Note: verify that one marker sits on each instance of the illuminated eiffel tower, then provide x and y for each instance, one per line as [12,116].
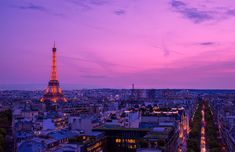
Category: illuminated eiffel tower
[53,93]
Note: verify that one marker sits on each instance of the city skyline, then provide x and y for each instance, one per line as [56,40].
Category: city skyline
[112,44]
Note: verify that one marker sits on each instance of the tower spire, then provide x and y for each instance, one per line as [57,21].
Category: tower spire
[54,43]
[53,70]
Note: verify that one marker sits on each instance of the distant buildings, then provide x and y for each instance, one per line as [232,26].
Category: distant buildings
[108,120]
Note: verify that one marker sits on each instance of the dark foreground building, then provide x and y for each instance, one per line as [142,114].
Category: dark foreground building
[122,139]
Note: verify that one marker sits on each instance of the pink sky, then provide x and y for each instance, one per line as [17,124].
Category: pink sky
[114,43]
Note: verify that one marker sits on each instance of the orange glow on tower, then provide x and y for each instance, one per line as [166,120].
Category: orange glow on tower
[53,71]
[53,91]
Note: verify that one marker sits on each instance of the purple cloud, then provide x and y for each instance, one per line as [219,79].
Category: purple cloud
[194,14]
[120,12]
[31,6]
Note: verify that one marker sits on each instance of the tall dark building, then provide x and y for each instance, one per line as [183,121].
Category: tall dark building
[53,93]
[151,94]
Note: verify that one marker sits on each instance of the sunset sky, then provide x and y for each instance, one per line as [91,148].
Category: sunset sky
[114,43]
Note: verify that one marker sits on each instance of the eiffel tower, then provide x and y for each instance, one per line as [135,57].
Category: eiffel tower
[53,92]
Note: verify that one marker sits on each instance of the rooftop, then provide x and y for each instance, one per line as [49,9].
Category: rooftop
[30,146]
[160,133]
[116,127]
[58,135]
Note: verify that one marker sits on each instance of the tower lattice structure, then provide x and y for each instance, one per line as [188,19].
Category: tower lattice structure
[53,92]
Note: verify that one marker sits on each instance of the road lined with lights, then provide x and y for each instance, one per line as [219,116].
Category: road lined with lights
[203,124]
